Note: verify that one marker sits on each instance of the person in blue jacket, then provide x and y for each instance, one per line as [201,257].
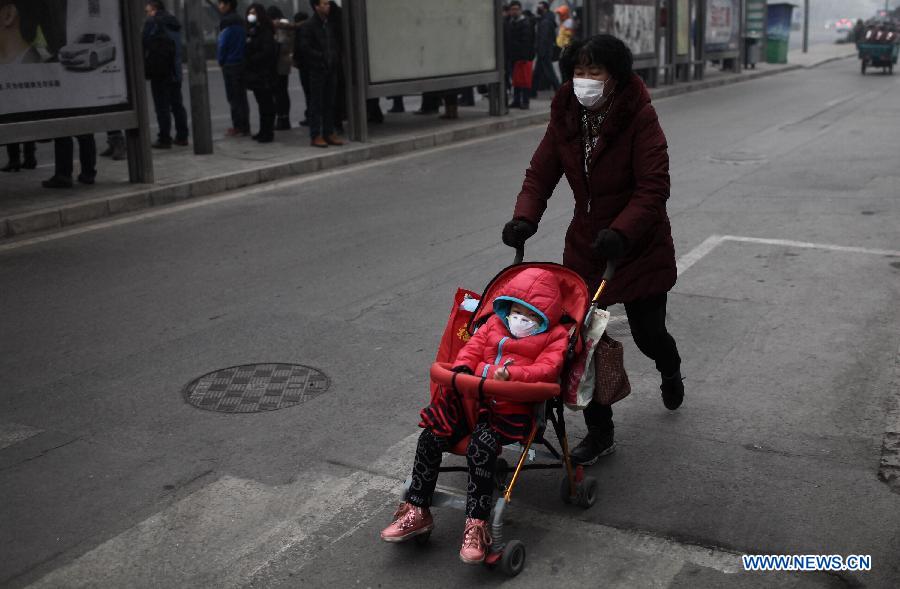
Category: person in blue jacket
[230,52]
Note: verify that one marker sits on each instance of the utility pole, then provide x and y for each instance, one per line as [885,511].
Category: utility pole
[806,26]
[199,85]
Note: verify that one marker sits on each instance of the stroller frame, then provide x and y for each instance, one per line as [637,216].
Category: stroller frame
[575,487]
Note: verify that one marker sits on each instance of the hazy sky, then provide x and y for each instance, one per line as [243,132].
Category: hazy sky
[832,9]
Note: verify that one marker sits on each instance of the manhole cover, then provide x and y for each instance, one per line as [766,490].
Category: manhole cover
[738,158]
[256,387]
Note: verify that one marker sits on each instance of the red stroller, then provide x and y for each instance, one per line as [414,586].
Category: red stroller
[509,555]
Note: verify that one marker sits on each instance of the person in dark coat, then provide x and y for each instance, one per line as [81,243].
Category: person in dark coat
[166,85]
[303,71]
[545,42]
[519,39]
[320,52]
[605,137]
[260,72]
[231,49]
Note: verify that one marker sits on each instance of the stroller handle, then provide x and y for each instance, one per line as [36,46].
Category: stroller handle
[607,276]
[472,386]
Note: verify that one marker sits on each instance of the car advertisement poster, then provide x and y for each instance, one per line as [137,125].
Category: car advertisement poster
[60,55]
[723,25]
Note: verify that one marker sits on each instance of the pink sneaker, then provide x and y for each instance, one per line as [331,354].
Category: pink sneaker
[409,521]
[476,541]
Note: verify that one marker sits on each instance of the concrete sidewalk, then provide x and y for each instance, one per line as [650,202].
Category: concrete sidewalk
[26,207]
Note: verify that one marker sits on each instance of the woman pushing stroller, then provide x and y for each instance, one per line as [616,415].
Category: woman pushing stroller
[522,341]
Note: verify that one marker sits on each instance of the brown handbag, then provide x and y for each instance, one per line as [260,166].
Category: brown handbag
[612,383]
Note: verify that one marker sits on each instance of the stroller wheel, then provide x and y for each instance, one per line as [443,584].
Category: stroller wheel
[501,473]
[422,539]
[513,560]
[587,492]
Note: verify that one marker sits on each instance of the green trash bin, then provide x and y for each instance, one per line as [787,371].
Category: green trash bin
[778,32]
[776,51]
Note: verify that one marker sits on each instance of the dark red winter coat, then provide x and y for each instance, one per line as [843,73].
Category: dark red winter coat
[536,358]
[628,189]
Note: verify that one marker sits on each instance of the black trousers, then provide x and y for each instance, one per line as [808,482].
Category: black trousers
[544,75]
[87,152]
[266,104]
[322,100]
[169,104]
[304,83]
[236,92]
[14,151]
[647,319]
[481,457]
[282,98]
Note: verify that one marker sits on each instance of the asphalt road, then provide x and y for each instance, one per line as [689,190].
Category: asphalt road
[787,323]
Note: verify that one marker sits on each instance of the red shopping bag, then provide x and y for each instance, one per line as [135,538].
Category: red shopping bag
[455,333]
[522,74]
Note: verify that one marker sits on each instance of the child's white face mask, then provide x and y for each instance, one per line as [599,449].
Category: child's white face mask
[521,326]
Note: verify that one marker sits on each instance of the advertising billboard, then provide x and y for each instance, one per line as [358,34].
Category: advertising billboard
[60,58]
[633,21]
[723,29]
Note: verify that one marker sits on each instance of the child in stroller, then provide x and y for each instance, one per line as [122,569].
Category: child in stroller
[523,341]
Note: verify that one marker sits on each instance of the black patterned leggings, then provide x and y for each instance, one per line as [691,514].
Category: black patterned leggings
[481,455]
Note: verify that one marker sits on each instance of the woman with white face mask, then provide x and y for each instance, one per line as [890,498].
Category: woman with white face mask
[605,137]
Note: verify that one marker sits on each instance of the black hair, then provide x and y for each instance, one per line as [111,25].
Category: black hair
[274,13]
[232,4]
[157,4]
[605,50]
[515,3]
[314,3]
[546,5]
[301,16]
[262,19]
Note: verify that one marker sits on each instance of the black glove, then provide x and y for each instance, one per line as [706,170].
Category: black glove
[610,244]
[462,370]
[517,231]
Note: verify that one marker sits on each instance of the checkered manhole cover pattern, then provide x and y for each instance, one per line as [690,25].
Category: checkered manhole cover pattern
[256,387]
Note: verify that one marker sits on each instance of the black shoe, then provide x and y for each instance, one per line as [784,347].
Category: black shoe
[595,444]
[283,124]
[86,179]
[394,110]
[672,389]
[11,167]
[181,142]
[161,145]
[29,164]
[264,138]
[304,123]
[57,182]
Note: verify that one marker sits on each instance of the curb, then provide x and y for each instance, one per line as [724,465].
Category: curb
[48,220]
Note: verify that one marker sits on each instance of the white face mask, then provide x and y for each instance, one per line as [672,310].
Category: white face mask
[588,92]
[251,18]
[521,326]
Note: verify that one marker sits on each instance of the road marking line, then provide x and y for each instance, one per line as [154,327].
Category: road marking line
[13,433]
[809,245]
[234,529]
[698,253]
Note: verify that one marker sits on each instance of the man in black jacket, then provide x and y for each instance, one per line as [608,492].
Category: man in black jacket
[544,74]
[519,39]
[319,44]
[162,54]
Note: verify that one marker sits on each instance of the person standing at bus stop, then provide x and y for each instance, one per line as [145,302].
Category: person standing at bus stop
[320,51]
[162,57]
[230,53]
